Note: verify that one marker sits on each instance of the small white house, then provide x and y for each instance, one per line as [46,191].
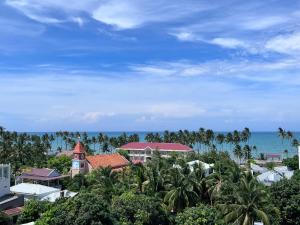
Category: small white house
[275,175]
[208,168]
[257,169]
[40,192]
[4,179]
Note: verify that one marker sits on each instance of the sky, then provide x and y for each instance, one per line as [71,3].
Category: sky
[144,65]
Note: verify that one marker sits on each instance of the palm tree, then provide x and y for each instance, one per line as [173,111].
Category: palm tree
[281,134]
[229,139]
[247,152]
[214,183]
[220,138]
[249,204]
[237,151]
[182,193]
[295,143]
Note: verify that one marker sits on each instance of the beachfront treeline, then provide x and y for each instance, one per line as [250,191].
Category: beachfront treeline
[32,149]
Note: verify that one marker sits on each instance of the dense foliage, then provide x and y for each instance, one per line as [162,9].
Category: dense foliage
[292,163]
[163,190]
[286,196]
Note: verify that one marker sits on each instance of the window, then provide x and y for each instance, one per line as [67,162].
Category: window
[81,165]
[5,172]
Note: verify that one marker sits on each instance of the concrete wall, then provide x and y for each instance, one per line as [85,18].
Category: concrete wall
[4,179]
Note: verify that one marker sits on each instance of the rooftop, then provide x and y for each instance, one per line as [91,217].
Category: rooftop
[110,160]
[43,174]
[32,189]
[156,146]
[79,148]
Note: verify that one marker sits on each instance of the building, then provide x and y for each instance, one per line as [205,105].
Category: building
[40,192]
[82,164]
[275,175]
[115,161]
[4,179]
[11,204]
[208,168]
[141,151]
[33,191]
[43,176]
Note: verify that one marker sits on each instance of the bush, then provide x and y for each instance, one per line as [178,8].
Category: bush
[133,208]
[200,215]
[292,163]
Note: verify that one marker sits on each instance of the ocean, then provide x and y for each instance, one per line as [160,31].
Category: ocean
[265,142]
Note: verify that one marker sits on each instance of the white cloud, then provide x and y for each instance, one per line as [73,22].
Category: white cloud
[186,36]
[288,44]
[263,22]
[122,14]
[229,43]
[92,117]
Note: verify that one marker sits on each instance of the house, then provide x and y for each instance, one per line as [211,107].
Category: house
[208,168]
[82,164]
[275,175]
[33,191]
[40,192]
[141,151]
[42,176]
[257,169]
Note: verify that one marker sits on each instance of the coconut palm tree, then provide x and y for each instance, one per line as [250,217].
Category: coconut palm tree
[281,134]
[295,143]
[238,153]
[220,138]
[249,205]
[247,152]
[182,193]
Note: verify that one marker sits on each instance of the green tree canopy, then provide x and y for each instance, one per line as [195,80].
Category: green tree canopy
[133,208]
[200,215]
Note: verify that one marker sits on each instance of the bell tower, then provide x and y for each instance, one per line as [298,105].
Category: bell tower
[79,164]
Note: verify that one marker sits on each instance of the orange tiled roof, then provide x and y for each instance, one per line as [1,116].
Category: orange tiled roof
[79,148]
[113,160]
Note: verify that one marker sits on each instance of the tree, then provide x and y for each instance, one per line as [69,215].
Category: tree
[83,209]
[182,191]
[3,219]
[200,215]
[77,182]
[61,163]
[292,163]
[238,153]
[132,208]
[286,196]
[249,205]
[33,210]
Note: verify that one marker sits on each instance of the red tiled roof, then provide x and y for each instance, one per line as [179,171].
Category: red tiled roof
[158,146]
[79,148]
[113,160]
[13,211]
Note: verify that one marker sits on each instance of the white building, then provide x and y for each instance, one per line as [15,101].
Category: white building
[208,168]
[275,175]
[40,192]
[4,179]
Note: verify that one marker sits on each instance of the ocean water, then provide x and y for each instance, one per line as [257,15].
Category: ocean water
[265,142]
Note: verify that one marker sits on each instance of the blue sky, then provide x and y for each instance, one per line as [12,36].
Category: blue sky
[137,65]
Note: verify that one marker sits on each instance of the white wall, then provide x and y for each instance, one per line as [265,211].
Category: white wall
[4,179]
